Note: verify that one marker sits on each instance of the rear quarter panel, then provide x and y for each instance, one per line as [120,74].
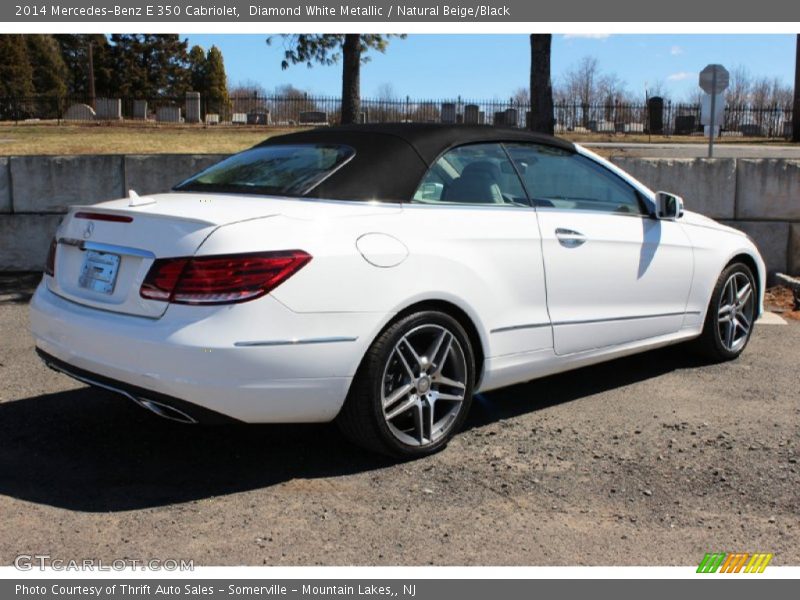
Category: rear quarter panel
[485,260]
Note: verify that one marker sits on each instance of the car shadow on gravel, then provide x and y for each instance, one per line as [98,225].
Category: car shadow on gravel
[91,450]
[539,394]
[18,288]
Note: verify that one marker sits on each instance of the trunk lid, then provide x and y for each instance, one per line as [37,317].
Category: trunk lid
[101,263]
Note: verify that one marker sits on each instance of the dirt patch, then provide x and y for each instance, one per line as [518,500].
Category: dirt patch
[780,299]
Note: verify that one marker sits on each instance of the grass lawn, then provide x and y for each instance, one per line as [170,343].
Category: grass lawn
[151,138]
[29,139]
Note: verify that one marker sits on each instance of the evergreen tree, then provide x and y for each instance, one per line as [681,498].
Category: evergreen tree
[49,70]
[16,74]
[197,69]
[75,53]
[149,65]
[216,90]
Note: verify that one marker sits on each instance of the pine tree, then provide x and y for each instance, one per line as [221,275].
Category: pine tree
[197,69]
[75,53]
[16,74]
[216,91]
[150,65]
[49,70]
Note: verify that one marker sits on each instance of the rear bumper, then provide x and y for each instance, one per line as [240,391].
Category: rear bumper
[199,359]
[168,407]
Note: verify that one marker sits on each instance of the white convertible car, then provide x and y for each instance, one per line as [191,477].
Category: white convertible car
[380,276]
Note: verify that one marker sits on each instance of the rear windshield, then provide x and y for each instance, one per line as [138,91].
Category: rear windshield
[284,170]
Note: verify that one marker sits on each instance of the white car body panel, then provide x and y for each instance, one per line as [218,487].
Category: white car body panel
[290,356]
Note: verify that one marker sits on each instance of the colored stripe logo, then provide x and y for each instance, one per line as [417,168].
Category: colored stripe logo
[734,562]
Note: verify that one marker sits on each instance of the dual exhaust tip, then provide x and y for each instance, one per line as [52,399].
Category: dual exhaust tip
[162,410]
[158,408]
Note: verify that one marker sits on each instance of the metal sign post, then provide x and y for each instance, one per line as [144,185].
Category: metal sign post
[713,115]
[714,79]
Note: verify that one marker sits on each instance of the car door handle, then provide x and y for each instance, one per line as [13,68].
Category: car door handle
[569,238]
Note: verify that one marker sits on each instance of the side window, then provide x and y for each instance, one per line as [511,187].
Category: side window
[474,174]
[561,179]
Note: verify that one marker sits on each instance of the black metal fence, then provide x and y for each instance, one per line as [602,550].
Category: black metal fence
[654,117]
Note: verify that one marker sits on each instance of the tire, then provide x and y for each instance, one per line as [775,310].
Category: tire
[730,316]
[421,365]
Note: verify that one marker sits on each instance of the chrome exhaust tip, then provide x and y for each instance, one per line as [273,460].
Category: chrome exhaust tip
[164,411]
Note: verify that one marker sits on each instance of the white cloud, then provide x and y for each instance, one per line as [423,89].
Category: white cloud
[681,76]
[587,36]
[676,50]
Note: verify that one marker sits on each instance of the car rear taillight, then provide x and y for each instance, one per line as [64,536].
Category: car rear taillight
[50,264]
[220,279]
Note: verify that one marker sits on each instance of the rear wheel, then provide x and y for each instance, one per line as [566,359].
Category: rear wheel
[413,389]
[731,314]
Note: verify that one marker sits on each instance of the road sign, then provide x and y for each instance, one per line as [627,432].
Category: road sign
[714,79]
[706,118]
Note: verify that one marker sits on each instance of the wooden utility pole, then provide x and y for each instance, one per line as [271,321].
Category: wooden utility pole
[91,74]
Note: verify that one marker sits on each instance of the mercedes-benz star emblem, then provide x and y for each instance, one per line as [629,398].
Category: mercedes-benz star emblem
[87,233]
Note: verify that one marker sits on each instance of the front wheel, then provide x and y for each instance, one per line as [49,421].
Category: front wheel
[413,390]
[731,314]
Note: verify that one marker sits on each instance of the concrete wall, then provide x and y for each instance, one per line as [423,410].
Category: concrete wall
[36,190]
[708,185]
[758,196]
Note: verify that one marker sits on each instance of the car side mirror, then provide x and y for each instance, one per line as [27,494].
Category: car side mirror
[668,206]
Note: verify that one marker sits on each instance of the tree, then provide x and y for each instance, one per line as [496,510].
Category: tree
[49,70]
[207,76]
[521,96]
[740,87]
[541,87]
[149,65]
[249,96]
[289,103]
[796,103]
[216,90]
[328,49]
[75,54]
[16,74]
[197,68]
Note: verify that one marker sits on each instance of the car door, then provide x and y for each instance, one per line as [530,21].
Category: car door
[614,273]
[471,205]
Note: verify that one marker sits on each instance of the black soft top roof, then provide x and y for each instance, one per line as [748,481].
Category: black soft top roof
[391,159]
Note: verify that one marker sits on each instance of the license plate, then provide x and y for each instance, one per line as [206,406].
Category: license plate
[99,271]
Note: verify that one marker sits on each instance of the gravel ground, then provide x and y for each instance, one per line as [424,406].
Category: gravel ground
[649,460]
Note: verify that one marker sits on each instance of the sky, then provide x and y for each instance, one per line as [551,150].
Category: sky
[495,65]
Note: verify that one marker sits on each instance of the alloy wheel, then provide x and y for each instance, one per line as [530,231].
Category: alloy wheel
[735,312]
[424,384]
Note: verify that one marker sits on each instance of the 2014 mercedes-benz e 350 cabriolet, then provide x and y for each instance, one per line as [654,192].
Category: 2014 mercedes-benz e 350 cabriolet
[380,276]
